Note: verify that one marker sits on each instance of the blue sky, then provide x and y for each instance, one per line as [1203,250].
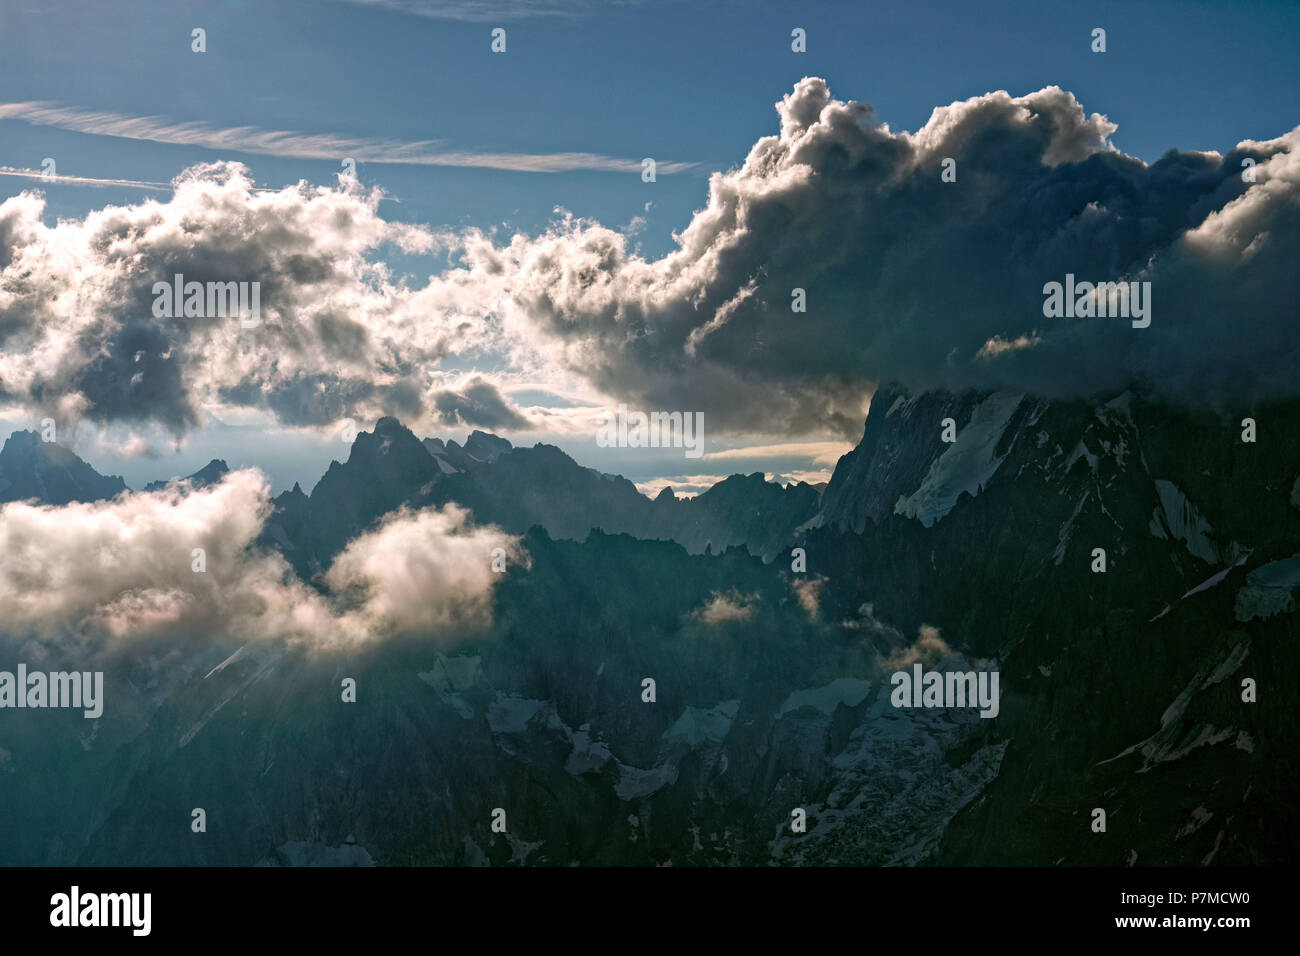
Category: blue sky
[682,82]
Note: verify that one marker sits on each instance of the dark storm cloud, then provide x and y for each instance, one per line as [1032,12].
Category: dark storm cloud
[479,403]
[930,282]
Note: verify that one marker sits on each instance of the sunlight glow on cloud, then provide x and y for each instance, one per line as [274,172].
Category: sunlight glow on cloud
[824,206]
[123,570]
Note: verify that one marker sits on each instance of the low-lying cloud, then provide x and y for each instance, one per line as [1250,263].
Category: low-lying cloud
[725,608]
[928,648]
[111,572]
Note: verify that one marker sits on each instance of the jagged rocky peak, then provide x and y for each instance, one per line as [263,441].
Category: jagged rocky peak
[755,484]
[389,458]
[388,427]
[480,448]
[50,473]
[209,474]
[19,442]
[26,448]
[893,468]
[389,435]
[485,446]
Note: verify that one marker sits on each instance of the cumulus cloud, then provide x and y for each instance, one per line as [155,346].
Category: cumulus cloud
[928,282]
[906,277]
[442,582]
[894,652]
[111,572]
[478,402]
[338,335]
[873,627]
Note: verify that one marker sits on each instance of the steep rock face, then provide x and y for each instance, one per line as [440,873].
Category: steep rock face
[290,530]
[483,446]
[901,441]
[963,467]
[50,473]
[61,774]
[1068,465]
[386,469]
[1121,687]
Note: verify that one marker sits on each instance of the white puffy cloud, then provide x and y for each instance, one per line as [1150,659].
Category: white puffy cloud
[338,335]
[911,278]
[907,277]
[477,402]
[108,572]
[442,582]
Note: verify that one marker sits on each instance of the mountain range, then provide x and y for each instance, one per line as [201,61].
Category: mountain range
[1124,565]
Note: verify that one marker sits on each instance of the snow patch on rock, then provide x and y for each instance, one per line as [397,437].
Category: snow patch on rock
[1178,519]
[966,464]
[848,691]
[1270,589]
[696,726]
[510,715]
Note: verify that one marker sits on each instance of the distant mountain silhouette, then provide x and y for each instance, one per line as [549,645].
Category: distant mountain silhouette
[209,474]
[517,488]
[50,473]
